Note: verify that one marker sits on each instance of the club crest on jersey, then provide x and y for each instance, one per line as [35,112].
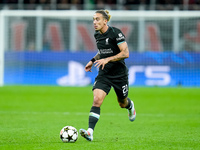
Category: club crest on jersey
[107,41]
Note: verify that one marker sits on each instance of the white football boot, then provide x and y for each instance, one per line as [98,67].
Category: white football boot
[132,112]
[86,134]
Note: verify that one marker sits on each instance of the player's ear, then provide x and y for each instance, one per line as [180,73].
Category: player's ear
[105,21]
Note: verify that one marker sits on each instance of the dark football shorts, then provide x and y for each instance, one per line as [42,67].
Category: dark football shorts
[120,85]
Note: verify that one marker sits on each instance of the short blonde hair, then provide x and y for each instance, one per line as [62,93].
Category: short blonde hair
[105,14]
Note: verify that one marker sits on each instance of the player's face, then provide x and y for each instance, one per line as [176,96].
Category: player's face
[99,22]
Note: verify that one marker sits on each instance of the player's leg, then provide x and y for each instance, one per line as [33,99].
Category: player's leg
[121,88]
[129,105]
[100,90]
[99,95]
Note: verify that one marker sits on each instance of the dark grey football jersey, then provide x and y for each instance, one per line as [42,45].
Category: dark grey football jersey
[107,44]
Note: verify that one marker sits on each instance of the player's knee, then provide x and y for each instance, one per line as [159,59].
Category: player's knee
[97,101]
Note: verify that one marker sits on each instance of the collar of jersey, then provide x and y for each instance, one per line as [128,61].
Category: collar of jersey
[106,31]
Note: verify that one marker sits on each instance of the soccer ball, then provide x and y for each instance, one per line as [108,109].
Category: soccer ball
[68,134]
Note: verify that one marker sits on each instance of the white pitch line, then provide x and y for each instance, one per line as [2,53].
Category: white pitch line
[77,113]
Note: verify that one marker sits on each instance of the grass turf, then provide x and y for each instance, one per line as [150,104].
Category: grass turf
[31,117]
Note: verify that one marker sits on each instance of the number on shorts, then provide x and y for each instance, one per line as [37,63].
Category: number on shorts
[125,89]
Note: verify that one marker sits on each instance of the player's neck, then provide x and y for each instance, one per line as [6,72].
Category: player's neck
[104,29]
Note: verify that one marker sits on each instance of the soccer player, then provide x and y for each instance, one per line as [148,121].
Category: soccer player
[112,50]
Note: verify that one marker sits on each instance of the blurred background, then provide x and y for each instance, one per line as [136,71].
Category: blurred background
[101,4]
[48,42]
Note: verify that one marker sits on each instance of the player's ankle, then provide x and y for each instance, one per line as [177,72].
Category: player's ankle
[90,130]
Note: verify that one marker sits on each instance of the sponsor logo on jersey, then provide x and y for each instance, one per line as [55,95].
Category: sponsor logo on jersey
[120,37]
[106,51]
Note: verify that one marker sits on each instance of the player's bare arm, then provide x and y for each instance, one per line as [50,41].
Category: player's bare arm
[97,56]
[124,53]
[89,65]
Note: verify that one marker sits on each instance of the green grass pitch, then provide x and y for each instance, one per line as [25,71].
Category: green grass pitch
[31,117]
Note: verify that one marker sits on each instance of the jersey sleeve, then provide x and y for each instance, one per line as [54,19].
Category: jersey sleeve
[120,37]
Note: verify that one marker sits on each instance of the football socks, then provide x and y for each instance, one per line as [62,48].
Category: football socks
[129,106]
[94,116]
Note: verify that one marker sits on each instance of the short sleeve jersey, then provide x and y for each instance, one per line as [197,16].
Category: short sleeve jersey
[107,44]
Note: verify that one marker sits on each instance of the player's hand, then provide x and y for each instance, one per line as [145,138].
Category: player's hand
[101,62]
[88,67]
